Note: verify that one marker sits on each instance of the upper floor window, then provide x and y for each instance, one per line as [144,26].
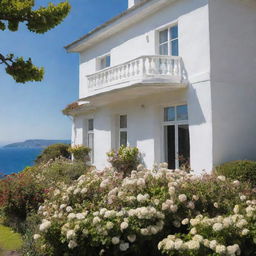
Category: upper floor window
[104,62]
[169,42]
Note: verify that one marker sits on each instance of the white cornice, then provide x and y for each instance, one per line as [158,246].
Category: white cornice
[119,23]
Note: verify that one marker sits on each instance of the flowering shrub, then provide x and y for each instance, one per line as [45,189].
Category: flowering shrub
[242,170]
[19,195]
[149,212]
[125,159]
[80,152]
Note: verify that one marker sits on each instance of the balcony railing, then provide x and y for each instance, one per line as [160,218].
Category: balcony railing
[139,70]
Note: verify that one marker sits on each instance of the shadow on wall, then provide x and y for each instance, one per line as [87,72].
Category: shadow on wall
[196,115]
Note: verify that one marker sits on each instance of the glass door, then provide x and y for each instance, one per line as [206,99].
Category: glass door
[176,136]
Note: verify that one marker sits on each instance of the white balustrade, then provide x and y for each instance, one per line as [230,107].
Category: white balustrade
[157,66]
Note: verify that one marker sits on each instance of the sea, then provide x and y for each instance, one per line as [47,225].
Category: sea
[13,160]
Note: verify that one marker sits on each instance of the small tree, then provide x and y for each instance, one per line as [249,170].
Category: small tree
[13,12]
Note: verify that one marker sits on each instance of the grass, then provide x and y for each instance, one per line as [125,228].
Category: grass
[9,240]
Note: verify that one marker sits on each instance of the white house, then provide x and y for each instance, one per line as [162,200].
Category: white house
[173,78]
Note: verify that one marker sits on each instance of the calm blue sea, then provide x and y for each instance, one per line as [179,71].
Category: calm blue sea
[16,159]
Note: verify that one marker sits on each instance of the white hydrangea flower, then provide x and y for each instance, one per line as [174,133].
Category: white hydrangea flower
[71,234]
[193,245]
[213,244]
[45,225]
[242,197]
[96,220]
[131,238]
[124,225]
[80,216]
[217,227]
[71,216]
[115,240]
[221,249]
[109,225]
[182,198]
[72,244]
[245,232]
[124,247]
[216,205]
[185,221]
[36,236]
[69,209]
[221,178]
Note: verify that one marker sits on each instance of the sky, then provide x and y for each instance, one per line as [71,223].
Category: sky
[33,110]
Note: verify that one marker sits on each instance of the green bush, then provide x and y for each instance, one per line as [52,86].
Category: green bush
[52,152]
[80,153]
[57,171]
[125,159]
[243,170]
[20,194]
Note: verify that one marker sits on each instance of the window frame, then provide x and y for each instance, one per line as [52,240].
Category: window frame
[169,40]
[176,123]
[99,59]
[122,130]
[90,132]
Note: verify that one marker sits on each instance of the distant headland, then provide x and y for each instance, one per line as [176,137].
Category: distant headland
[36,143]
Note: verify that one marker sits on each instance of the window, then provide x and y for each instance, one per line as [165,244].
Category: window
[177,113]
[91,138]
[104,62]
[123,130]
[168,41]
[176,136]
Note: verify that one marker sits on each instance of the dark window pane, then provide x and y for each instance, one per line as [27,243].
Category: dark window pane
[184,147]
[90,125]
[175,47]
[123,139]
[123,121]
[163,36]
[170,146]
[182,112]
[174,32]
[163,50]
[169,114]
[108,61]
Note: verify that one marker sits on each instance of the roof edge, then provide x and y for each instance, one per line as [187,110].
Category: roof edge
[104,25]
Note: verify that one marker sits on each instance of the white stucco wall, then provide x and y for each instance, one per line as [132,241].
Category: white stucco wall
[145,117]
[144,123]
[141,39]
[233,66]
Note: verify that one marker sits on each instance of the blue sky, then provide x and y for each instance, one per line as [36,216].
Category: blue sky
[33,110]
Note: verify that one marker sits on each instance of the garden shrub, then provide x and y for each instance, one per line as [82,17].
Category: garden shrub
[243,170]
[19,195]
[125,159]
[52,152]
[57,171]
[80,153]
[149,212]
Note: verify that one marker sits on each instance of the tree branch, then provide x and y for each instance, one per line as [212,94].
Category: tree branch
[4,60]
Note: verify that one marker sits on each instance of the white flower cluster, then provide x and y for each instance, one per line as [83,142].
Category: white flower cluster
[112,210]
[172,243]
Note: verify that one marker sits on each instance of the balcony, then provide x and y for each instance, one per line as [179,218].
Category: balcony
[154,70]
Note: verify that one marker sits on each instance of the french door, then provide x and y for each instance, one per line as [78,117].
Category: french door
[176,137]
